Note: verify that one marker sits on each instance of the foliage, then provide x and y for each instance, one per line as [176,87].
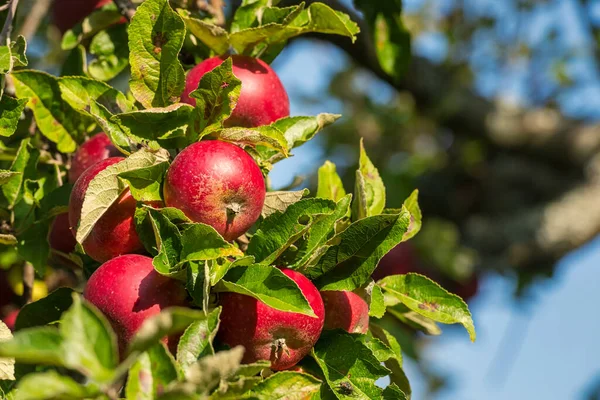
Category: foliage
[335,239]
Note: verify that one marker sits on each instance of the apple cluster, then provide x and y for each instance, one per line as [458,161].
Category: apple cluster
[212,182]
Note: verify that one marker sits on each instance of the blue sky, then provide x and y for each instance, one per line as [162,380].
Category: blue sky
[558,355]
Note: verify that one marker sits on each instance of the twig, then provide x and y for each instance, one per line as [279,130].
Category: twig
[28,279]
[33,19]
[7,29]
[214,8]
[4,7]
[126,8]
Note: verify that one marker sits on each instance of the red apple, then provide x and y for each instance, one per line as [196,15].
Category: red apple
[11,319]
[467,289]
[96,148]
[61,238]
[128,290]
[345,310]
[263,98]
[114,233]
[284,338]
[216,183]
[402,259]
[67,13]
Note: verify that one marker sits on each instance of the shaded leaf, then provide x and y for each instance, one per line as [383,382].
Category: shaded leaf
[106,187]
[10,114]
[213,36]
[196,341]
[50,385]
[151,373]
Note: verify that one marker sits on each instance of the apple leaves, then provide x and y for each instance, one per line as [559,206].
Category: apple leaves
[425,297]
[156,35]
[106,187]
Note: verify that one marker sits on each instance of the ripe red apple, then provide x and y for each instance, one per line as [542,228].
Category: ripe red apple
[284,338]
[216,183]
[67,13]
[61,238]
[96,148]
[402,259]
[11,319]
[114,233]
[128,290]
[345,310]
[263,98]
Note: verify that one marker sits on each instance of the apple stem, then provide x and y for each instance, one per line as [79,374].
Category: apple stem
[278,347]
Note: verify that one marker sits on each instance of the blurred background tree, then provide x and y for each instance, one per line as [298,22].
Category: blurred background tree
[490,108]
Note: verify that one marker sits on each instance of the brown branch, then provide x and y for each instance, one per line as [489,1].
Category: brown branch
[28,280]
[126,8]
[34,18]
[214,8]
[8,24]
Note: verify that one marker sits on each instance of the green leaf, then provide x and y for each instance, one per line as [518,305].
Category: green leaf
[51,385]
[75,63]
[268,285]
[32,249]
[299,130]
[168,127]
[198,282]
[350,368]
[216,96]
[145,183]
[5,176]
[18,50]
[55,118]
[7,365]
[247,13]
[10,114]
[207,372]
[196,341]
[317,18]
[111,53]
[411,318]
[167,241]
[330,184]
[393,392]
[427,298]
[412,205]
[46,310]
[89,344]
[320,232]
[106,187]
[349,265]
[12,187]
[265,135]
[280,201]
[286,385]
[99,101]
[169,321]
[277,232]
[213,36]
[156,35]
[90,26]
[376,305]
[391,39]
[35,346]
[151,373]
[218,270]
[369,192]
[202,242]
[394,363]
